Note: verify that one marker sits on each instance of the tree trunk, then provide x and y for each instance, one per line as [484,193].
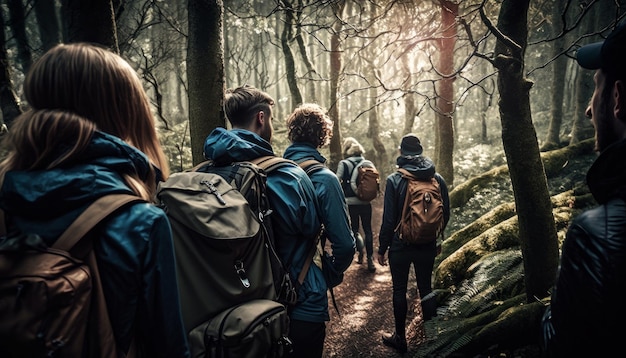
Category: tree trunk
[8,100]
[445,100]
[582,127]
[410,110]
[205,72]
[373,125]
[311,76]
[335,69]
[290,66]
[559,67]
[47,23]
[18,28]
[537,230]
[90,21]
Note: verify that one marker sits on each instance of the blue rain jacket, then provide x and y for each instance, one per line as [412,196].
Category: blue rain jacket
[294,217]
[333,210]
[134,247]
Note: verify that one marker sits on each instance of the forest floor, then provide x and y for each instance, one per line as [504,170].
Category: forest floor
[365,308]
[366,313]
[364,298]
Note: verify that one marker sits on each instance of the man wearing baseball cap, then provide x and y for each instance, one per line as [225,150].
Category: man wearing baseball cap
[587,310]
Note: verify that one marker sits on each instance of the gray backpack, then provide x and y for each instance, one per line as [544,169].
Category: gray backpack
[234,289]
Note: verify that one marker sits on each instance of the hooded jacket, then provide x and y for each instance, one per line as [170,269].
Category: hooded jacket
[395,190]
[294,219]
[587,304]
[332,210]
[133,247]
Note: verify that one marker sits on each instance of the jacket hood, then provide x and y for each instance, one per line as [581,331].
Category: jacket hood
[607,176]
[421,167]
[300,151]
[33,197]
[226,146]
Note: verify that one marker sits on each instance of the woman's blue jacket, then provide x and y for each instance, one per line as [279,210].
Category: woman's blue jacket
[133,248]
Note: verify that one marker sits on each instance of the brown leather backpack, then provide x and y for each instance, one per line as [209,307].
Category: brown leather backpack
[422,212]
[51,299]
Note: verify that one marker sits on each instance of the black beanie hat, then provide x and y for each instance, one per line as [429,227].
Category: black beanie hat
[410,145]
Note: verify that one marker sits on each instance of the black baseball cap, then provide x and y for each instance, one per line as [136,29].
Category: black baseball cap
[609,55]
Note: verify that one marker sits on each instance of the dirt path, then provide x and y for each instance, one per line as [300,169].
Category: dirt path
[364,302]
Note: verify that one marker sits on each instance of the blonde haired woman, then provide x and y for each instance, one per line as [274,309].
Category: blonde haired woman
[360,211]
[89,132]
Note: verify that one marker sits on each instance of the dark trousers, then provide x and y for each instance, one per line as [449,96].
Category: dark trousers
[423,259]
[362,215]
[307,338]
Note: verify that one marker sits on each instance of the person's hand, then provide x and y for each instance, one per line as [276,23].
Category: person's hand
[381,260]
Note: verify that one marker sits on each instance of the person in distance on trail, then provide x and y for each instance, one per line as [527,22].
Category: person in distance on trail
[401,255]
[309,128]
[360,211]
[89,132]
[587,302]
[293,201]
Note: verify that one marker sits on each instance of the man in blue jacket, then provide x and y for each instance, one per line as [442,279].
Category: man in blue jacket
[293,201]
[587,310]
[310,128]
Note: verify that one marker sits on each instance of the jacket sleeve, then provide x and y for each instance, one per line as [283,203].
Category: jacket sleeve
[334,215]
[354,173]
[390,213]
[445,198]
[139,274]
[340,170]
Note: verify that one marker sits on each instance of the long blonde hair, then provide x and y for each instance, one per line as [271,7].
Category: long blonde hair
[46,139]
[100,86]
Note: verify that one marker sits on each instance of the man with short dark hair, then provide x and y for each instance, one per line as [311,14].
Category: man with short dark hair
[292,198]
[587,310]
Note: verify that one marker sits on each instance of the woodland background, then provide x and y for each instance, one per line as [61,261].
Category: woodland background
[490,86]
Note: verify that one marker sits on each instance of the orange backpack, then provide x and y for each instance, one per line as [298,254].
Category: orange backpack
[422,213]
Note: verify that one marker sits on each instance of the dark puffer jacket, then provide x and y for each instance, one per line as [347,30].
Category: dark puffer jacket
[588,311]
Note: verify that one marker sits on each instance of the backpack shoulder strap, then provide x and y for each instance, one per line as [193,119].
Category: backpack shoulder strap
[354,175]
[102,338]
[272,162]
[311,166]
[405,173]
[200,165]
[89,218]
[312,251]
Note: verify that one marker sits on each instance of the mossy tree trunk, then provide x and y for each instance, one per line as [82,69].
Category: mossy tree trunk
[537,230]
